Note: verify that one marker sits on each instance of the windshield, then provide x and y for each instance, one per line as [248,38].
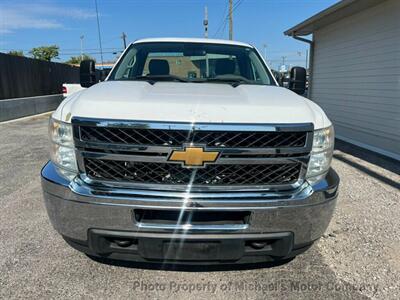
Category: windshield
[192,62]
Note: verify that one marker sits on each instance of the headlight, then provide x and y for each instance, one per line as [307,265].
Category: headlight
[62,151]
[321,154]
[61,133]
[63,157]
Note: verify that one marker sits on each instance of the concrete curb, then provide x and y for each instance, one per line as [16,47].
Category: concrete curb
[21,107]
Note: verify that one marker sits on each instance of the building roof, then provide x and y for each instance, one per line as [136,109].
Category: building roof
[192,40]
[330,15]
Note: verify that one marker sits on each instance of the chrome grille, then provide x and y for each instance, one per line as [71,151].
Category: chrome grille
[160,137]
[156,173]
[136,153]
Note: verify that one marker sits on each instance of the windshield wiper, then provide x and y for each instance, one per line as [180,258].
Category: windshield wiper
[152,79]
[233,81]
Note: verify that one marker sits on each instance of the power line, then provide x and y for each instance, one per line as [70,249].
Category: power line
[223,29]
[222,21]
[226,18]
[237,4]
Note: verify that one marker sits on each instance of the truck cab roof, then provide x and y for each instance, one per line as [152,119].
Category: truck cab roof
[192,40]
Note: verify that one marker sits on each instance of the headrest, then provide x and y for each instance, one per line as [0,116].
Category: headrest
[224,66]
[158,67]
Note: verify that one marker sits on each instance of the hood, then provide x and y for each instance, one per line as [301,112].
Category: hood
[191,102]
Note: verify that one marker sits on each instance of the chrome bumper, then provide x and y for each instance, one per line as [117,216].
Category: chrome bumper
[74,208]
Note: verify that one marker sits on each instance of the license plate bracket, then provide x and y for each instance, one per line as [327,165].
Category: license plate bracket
[162,249]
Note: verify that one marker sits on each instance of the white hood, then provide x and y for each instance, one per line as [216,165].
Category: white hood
[191,102]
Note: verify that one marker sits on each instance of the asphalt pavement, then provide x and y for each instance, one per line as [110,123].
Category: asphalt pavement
[357,258]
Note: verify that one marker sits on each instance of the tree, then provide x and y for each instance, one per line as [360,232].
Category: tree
[45,52]
[16,52]
[76,60]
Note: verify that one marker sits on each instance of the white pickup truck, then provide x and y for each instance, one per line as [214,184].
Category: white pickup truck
[189,152]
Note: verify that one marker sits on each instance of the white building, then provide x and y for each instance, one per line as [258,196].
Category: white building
[355,70]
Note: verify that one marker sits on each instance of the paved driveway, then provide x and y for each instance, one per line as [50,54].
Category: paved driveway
[358,258]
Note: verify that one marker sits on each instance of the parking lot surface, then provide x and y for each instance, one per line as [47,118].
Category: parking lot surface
[358,257]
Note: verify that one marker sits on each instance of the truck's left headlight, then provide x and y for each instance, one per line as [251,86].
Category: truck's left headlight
[62,151]
[321,154]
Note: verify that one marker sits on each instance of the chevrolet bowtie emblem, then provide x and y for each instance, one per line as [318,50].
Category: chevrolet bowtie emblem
[193,156]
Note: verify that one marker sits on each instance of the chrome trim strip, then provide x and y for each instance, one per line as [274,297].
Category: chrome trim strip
[193,200]
[194,188]
[230,227]
[172,125]
[225,206]
[167,149]
[220,161]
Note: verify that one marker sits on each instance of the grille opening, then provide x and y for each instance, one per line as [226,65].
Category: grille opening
[272,155]
[216,174]
[175,138]
[190,217]
[126,152]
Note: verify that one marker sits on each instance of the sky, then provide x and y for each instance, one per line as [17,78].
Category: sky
[27,24]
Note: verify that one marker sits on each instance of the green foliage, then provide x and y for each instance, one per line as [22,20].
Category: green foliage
[45,52]
[76,60]
[16,52]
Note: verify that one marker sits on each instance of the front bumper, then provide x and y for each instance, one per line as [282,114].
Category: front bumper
[87,218]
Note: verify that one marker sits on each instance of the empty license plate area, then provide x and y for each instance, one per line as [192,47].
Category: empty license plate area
[174,217]
[156,249]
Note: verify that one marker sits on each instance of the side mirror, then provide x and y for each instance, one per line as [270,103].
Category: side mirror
[87,73]
[298,77]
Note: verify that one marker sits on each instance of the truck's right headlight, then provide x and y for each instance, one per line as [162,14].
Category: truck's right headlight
[321,154]
[62,150]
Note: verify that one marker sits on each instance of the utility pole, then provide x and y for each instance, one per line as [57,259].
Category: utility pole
[123,37]
[98,30]
[81,37]
[230,20]
[205,22]
[283,60]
